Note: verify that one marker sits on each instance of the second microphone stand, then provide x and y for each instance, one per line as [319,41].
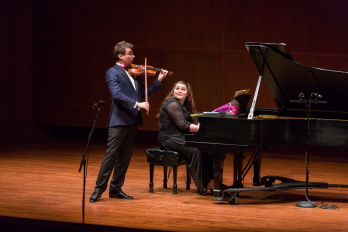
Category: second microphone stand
[83,162]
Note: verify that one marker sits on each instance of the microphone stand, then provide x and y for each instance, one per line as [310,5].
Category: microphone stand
[83,163]
[308,102]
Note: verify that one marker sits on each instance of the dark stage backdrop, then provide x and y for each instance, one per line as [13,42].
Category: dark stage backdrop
[201,41]
[6,71]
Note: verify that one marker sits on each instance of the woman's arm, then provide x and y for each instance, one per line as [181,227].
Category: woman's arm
[175,112]
[194,128]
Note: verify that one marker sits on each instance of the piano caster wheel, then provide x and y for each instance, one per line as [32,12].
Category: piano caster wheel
[269,182]
[233,199]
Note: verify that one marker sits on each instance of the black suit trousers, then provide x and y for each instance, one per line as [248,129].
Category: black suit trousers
[121,140]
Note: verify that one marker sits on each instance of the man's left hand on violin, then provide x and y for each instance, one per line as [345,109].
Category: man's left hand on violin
[162,74]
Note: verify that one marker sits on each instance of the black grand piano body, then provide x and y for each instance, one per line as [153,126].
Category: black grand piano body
[222,134]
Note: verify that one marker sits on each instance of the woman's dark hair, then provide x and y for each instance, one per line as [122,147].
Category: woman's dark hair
[189,102]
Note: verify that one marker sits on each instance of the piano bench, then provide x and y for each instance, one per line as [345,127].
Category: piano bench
[165,158]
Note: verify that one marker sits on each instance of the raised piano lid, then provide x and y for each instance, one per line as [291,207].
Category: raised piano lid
[286,79]
[278,47]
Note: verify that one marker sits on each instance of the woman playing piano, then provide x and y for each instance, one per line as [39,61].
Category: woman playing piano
[174,123]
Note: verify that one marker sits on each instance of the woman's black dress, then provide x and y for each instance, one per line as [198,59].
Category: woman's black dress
[174,123]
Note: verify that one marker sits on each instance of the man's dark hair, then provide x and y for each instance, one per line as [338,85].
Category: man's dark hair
[120,48]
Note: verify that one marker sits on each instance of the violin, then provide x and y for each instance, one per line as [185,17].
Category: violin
[138,70]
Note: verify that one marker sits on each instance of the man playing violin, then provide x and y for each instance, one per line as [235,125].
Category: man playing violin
[127,93]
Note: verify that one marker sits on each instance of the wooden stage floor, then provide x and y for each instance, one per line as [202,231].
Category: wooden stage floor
[41,182]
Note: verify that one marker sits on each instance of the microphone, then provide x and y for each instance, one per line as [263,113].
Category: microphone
[100,103]
[317,95]
[301,96]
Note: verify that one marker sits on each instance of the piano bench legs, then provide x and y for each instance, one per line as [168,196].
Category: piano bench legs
[175,174]
[151,177]
[165,179]
[165,158]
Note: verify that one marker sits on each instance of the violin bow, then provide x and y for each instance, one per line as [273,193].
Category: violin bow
[146,97]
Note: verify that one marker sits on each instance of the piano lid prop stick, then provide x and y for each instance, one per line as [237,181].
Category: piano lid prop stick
[252,108]
[146,98]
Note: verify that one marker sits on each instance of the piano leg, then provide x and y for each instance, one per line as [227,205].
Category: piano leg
[152,167]
[257,168]
[238,158]
[218,157]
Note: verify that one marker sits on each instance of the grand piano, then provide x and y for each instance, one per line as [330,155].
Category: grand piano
[294,87]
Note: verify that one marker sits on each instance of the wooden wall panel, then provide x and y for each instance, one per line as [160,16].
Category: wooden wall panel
[24,129]
[202,42]
[6,27]
[241,73]
[305,26]
[189,24]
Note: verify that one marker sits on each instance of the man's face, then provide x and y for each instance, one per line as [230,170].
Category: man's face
[127,58]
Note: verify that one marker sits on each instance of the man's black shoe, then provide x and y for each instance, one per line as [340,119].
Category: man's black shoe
[120,195]
[94,198]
